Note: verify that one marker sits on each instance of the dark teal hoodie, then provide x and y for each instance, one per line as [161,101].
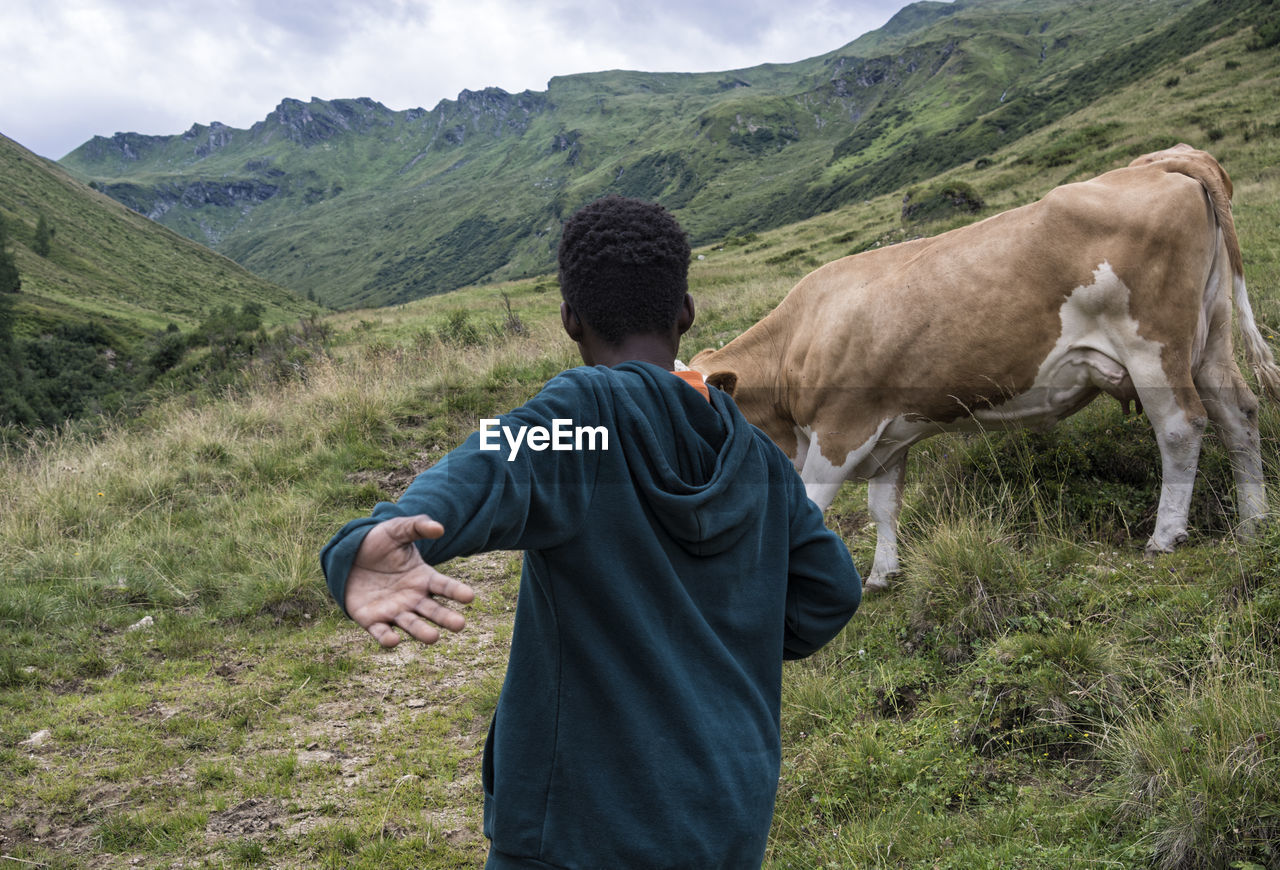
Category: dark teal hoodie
[665,580]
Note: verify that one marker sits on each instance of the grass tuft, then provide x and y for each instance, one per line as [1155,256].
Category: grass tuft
[1201,783]
[967,579]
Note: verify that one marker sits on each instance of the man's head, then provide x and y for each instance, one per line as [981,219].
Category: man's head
[624,267]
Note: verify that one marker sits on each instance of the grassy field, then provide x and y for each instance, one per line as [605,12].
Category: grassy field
[178,691]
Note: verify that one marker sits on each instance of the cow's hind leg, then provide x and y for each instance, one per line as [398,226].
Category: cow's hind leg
[1233,408]
[1178,418]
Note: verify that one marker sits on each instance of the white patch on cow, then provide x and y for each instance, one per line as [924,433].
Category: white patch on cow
[1099,349]
[821,477]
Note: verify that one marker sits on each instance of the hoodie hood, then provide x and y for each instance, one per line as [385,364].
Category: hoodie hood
[684,454]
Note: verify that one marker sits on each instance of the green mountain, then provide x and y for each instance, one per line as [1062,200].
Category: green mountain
[365,206]
[99,285]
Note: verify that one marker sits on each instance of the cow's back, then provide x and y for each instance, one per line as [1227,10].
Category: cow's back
[939,327]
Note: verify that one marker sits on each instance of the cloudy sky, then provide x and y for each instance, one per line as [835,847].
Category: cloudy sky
[72,69]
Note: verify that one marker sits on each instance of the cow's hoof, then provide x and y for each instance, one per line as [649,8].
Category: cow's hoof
[875,584]
[1160,548]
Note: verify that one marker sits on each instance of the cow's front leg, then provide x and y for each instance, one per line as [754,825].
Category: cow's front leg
[884,501]
[822,480]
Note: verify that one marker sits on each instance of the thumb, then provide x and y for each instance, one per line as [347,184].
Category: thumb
[406,530]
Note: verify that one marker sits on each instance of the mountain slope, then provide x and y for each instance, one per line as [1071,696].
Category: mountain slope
[109,266]
[109,303]
[363,205]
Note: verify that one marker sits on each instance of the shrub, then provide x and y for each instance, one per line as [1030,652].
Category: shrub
[1266,34]
[10,280]
[166,351]
[458,329]
[740,241]
[938,203]
[512,324]
[1040,691]
[776,259]
[43,241]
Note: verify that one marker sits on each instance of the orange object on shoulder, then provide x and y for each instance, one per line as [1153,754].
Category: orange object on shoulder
[694,379]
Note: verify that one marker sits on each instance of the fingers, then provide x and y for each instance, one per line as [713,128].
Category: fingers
[442,616]
[416,627]
[419,629]
[447,587]
[383,634]
[423,620]
[406,530]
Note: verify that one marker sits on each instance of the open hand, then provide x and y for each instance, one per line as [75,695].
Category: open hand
[390,585]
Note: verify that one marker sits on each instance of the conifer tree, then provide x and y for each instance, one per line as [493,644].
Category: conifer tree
[10,281]
[44,237]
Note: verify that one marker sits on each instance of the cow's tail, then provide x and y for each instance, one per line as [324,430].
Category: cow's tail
[1217,184]
[1256,350]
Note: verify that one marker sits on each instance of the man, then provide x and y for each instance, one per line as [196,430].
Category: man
[672,562]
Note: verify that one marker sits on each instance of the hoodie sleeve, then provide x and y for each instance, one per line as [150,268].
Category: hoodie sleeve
[489,495]
[823,586]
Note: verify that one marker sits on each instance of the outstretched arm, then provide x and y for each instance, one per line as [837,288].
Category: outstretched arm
[487,499]
[391,586]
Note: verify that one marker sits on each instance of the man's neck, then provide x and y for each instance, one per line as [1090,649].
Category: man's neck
[642,348]
[659,348]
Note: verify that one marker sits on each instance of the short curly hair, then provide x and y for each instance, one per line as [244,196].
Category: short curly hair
[624,267]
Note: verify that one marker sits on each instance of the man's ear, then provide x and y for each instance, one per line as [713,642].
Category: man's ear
[571,322]
[727,381]
[685,318]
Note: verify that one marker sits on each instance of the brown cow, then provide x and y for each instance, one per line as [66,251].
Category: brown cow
[1122,284]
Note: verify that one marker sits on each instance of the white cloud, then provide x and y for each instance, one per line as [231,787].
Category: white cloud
[78,68]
